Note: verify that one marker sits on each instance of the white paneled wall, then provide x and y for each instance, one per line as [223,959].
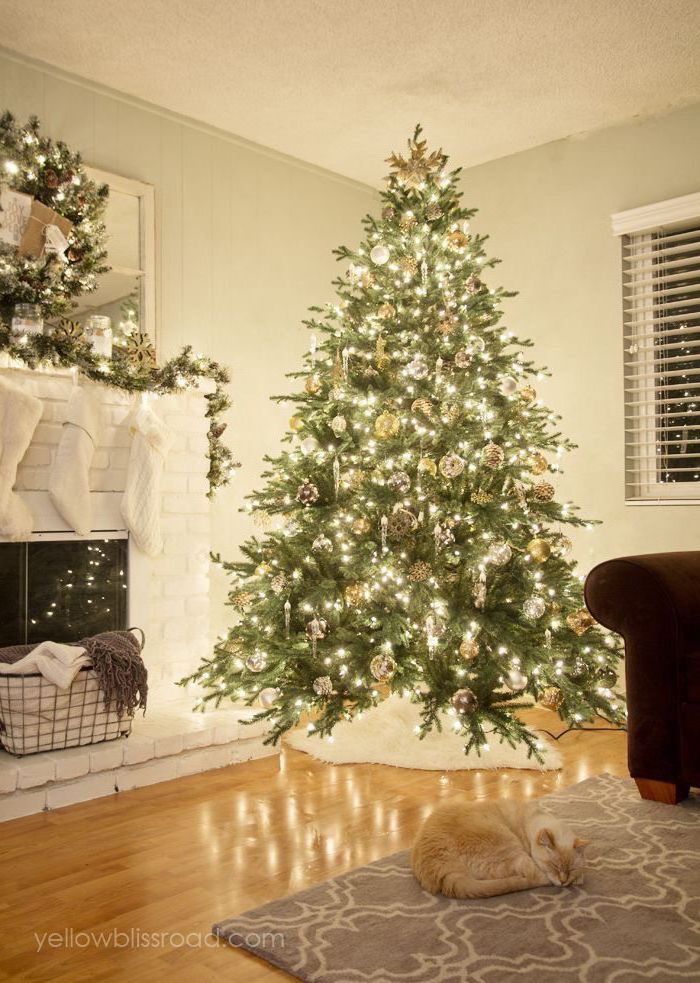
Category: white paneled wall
[243,243]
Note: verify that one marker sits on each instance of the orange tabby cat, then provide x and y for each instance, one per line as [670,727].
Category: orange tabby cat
[481,849]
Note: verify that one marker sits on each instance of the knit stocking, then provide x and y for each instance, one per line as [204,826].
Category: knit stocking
[69,483]
[19,416]
[141,502]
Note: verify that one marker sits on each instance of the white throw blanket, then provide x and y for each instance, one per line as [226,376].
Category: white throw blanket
[69,484]
[58,663]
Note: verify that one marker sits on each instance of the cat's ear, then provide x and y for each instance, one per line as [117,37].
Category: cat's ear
[545,838]
[580,844]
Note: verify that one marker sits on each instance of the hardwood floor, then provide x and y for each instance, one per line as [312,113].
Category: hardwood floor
[176,857]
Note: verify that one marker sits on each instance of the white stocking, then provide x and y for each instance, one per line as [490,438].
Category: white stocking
[69,483]
[141,503]
[19,416]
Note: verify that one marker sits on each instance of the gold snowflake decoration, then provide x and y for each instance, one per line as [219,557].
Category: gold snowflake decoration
[414,169]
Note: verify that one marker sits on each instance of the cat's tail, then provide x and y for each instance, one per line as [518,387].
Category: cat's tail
[458,884]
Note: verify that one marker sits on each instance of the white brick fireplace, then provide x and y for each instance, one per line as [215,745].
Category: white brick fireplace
[168,596]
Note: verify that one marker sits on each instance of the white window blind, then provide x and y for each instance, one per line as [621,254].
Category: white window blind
[661,325]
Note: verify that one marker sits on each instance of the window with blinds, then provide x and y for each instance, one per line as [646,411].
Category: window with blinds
[661,310]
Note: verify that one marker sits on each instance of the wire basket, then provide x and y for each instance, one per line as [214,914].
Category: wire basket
[37,716]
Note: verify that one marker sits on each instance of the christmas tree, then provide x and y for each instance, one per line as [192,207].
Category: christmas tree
[411,537]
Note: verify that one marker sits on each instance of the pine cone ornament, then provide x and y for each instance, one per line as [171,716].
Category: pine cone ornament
[580,621]
[383,667]
[433,213]
[278,584]
[307,493]
[458,239]
[543,491]
[474,285]
[493,456]
[339,425]
[423,406]
[480,497]
[317,628]
[469,649]
[388,213]
[323,686]
[551,698]
[242,600]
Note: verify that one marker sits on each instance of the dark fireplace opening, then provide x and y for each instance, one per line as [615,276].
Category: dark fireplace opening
[62,590]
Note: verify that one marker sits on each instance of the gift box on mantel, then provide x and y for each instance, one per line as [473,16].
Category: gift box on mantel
[45,232]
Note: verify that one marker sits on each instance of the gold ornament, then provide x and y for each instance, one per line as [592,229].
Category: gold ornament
[480,497]
[355,594]
[295,423]
[401,524]
[528,394]
[383,667]
[66,328]
[427,465]
[543,491]
[312,385]
[409,265]
[418,165]
[580,621]
[139,350]
[458,239]
[357,478]
[445,328]
[386,311]
[361,526]
[408,221]
[450,413]
[551,698]
[539,550]
[469,649]
[386,425]
[538,463]
[339,425]
[231,646]
[433,213]
[493,456]
[419,571]
[380,356]
[423,406]
[451,465]
[242,600]
[262,569]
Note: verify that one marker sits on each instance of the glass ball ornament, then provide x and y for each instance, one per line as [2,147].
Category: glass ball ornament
[478,345]
[322,544]
[451,465]
[401,524]
[499,554]
[508,385]
[387,425]
[534,608]
[386,311]
[269,696]
[516,680]
[537,463]
[355,594]
[580,621]
[295,424]
[323,686]
[464,700]
[339,425]
[551,698]
[528,394]
[312,385]
[399,482]
[463,358]
[464,226]
[307,493]
[427,465]
[309,445]
[361,526]
[417,368]
[256,662]
[380,254]
[383,667]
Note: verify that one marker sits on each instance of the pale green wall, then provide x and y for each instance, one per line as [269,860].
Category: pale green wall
[244,240]
[548,212]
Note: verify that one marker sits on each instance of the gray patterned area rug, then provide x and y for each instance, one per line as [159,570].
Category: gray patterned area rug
[637,917]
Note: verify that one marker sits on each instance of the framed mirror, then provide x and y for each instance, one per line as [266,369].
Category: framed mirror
[127,293]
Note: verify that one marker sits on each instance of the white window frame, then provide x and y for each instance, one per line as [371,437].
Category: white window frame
[671,215]
[145,193]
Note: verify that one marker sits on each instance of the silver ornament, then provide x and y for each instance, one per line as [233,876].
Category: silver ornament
[256,662]
[534,608]
[516,680]
[269,696]
[399,482]
[339,425]
[508,385]
[309,445]
[499,554]
[417,368]
[322,544]
[379,255]
[463,358]
[443,536]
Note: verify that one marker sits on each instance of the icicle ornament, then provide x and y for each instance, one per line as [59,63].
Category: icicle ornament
[287,616]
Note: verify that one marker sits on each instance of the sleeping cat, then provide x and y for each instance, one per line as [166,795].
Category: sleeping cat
[481,849]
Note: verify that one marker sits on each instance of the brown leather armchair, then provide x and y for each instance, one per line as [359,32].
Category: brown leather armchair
[654,603]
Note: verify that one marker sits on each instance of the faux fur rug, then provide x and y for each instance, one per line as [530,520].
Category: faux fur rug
[385,735]
[637,917]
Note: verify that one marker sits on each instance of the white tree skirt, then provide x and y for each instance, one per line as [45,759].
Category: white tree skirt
[385,735]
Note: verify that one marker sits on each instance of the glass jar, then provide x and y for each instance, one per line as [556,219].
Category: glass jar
[98,330]
[27,319]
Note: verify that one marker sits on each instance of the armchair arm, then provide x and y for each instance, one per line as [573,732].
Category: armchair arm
[654,603]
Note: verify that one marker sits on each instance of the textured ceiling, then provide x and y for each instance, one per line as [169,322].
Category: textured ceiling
[341,83]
